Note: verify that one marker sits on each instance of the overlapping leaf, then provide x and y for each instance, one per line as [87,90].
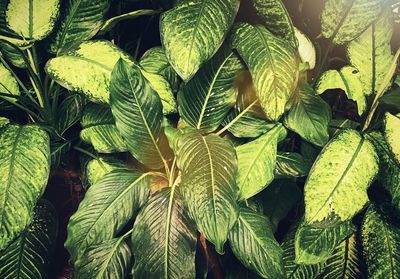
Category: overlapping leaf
[8,84]
[96,169]
[107,207]
[193,31]
[164,238]
[25,167]
[69,112]
[291,164]
[392,134]
[209,166]
[273,64]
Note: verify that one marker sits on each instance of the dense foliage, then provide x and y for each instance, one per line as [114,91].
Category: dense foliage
[218,151]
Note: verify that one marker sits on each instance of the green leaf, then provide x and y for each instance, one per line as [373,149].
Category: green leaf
[107,207]
[206,99]
[3,122]
[381,245]
[344,263]
[349,80]
[110,259]
[278,199]
[95,61]
[246,119]
[256,162]
[155,61]
[80,21]
[112,22]
[208,167]
[391,100]
[253,243]
[58,151]
[12,55]
[164,238]
[309,117]
[8,84]
[293,269]
[277,19]
[137,110]
[33,19]
[316,244]
[389,175]
[306,49]
[96,169]
[343,21]
[29,255]
[371,53]
[336,188]
[273,64]
[392,134]
[192,32]
[69,112]
[99,129]
[25,167]
[291,164]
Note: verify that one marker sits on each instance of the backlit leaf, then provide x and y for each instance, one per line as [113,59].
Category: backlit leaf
[392,134]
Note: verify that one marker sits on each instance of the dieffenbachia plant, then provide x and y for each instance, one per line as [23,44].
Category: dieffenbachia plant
[225,131]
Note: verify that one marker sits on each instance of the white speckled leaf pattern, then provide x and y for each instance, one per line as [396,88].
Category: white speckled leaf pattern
[32,19]
[107,207]
[315,245]
[80,21]
[99,129]
[344,20]
[336,187]
[8,83]
[349,80]
[137,110]
[276,18]
[95,61]
[98,168]
[193,31]
[344,263]
[164,239]
[253,243]
[310,117]
[256,162]
[381,245]
[371,53]
[273,65]
[25,167]
[208,167]
[392,134]
[206,99]
[29,255]
[109,259]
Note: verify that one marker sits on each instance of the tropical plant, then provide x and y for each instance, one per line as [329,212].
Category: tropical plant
[219,152]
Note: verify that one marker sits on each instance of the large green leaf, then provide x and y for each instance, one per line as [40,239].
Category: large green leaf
[80,21]
[8,84]
[336,188]
[293,269]
[164,238]
[389,175]
[109,259]
[344,263]
[137,110]
[29,255]
[107,207]
[343,21]
[209,166]
[256,162]
[206,99]
[316,244]
[349,80]
[392,134]
[193,31]
[32,19]
[95,61]
[25,166]
[253,243]
[371,53]
[381,245]
[276,18]
[291,164]
[273,64]
[99,129]
[309,117]
[97,168]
